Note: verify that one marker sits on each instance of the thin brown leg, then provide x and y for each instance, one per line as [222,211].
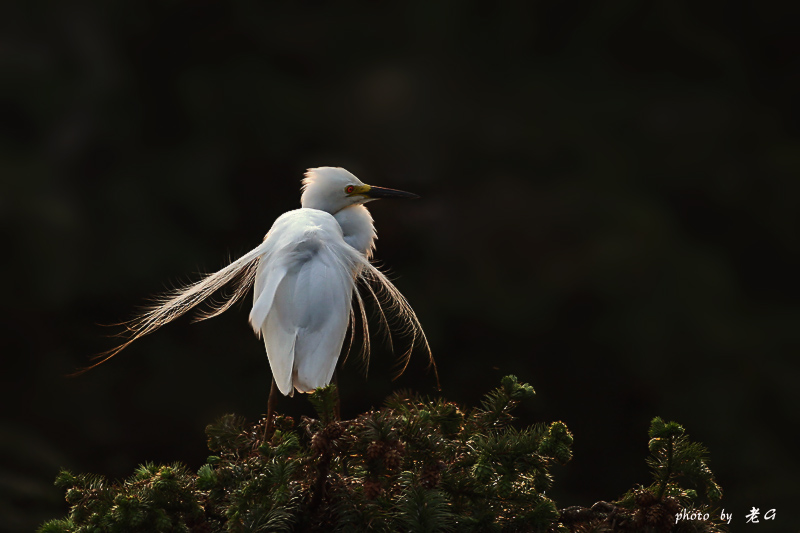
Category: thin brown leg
[337,407]
[271,404]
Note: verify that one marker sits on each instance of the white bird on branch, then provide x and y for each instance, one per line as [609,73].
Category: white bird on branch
[304,275]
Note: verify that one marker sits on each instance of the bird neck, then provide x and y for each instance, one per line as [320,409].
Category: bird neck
[358,229]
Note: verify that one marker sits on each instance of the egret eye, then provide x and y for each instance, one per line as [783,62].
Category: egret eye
[349,189]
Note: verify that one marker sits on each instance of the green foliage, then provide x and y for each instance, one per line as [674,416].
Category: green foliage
[674,459]
[155,498]
[227,433]
[422,465]
[415,465]
[324,401]
[682,481]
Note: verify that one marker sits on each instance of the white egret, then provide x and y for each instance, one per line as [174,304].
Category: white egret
[305,274]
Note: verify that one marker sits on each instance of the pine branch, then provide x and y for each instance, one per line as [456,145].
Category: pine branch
[416,464]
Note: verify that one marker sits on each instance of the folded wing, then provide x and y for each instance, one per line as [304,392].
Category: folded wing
[302,302]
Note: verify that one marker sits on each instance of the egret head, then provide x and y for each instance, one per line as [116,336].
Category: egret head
[332,189]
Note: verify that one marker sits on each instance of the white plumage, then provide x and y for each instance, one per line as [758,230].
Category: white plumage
[303,289]
[304,275]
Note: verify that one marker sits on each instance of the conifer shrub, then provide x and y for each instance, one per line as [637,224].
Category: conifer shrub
[416,465]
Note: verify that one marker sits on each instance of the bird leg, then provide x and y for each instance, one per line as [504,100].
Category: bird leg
[271,403]
[337,406]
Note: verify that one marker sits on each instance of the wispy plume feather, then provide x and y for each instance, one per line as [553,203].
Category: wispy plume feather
[391,302]
[391,305]
[178,302]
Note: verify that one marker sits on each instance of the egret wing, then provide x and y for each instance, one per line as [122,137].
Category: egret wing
[278,341]
[304,287]
[323,297]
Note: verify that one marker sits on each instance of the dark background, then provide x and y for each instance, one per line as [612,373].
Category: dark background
[609,211]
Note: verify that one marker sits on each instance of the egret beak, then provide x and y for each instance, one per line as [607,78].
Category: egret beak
[381,192]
